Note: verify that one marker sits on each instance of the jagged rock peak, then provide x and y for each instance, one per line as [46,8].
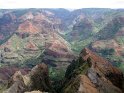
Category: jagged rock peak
[92,73]
[40,78]
[37,79]
[16,84]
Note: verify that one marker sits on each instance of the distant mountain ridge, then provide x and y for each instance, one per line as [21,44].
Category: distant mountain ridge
[79,27]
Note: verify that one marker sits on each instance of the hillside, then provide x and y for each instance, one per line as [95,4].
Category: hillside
[109,42]
[55,37]
[89,73]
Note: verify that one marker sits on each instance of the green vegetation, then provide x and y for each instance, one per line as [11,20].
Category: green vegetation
[77,67]
[121,66]
[73,72]
[120,40]
[77,46]
[31,62]
[56,76]
[111,57]
[72,86]
[107,51]
[17,43]
[3,88]
[109,31]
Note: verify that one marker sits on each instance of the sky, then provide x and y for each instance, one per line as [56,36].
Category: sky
[70,4]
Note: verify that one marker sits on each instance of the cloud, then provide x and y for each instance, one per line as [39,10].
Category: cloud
[61,3]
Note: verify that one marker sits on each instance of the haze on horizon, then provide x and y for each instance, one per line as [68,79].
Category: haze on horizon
[70,4]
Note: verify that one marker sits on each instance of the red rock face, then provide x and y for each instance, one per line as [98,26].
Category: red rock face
[58,48]
[27,22]
[28,27]
[99,63]
[30,45]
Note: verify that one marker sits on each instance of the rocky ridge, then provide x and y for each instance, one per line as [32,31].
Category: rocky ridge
[92,73]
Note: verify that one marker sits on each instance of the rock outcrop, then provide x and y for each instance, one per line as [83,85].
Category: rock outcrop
[40,78]
[16,84]
[92,74]
[37,79]
[7,72]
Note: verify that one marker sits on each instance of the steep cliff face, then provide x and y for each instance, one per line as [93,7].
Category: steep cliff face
[92,73]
